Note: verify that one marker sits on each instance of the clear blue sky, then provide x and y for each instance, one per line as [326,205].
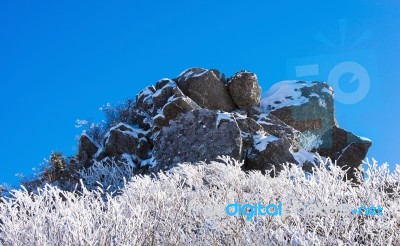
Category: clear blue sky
[62,60]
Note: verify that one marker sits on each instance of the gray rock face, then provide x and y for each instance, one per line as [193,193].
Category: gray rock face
[348,149]
[196,136]
[123,139]
[206,89]
[245,90]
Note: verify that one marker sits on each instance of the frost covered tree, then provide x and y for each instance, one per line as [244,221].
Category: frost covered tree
[155,210]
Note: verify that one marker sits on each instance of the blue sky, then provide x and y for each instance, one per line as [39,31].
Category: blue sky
[61,61]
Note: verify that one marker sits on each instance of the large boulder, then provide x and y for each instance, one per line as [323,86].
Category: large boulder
[305,106]
[205,88]
[197,136]
[346,148]
[123,139]
[245,90]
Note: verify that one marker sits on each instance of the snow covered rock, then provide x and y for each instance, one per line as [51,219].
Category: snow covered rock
[245,90]
[305,106]
[306,160]
[205,88]
[197,136]
[268,153]
[272,125]
[123,139]
[248,128]
[262,150]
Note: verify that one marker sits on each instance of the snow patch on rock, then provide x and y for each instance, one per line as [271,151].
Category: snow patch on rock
[302,156]
[261,141]
[190,73]
[283,94]
[223,116]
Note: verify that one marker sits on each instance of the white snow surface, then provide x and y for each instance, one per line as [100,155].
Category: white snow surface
[302,156]
[261,141]
[134,132]
[190,74]
[365,139]
[329,91]
[283,94]
[224,116]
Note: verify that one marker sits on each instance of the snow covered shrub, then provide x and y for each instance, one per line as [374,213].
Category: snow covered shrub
[58,170]
[66,173]
[96,131]
[154,210]
[120,113]
[110,174]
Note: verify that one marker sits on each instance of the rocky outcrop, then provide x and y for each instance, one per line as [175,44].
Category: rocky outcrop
[201,115]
